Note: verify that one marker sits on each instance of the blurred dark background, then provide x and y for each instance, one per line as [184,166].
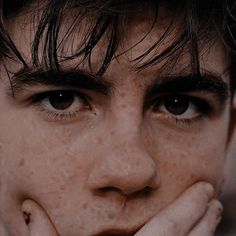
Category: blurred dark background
[227,226]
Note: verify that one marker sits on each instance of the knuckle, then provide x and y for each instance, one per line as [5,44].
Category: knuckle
[205,193]
[172,227]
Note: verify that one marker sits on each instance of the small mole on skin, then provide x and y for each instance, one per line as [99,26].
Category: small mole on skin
[99,140]
[22,162]
[192,176]
[26,217]
[62,188]
[111,216]
[112,132]
[84,206]
[123,106]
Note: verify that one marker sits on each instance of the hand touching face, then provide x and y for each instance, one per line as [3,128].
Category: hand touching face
[37,220]
[110,154]
[194,213]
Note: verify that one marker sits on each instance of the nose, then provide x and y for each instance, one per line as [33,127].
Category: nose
[125,167]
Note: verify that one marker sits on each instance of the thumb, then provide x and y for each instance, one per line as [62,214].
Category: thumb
[37,220]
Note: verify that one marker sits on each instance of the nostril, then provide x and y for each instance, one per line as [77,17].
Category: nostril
[107,190]
[128,172]
[143,192]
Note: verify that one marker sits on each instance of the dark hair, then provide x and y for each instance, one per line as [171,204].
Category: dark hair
[201,20]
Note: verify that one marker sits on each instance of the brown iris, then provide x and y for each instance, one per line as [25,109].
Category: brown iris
[176,105]
[61,100]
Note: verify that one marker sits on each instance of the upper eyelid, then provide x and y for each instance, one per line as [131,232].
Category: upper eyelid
[192,97]
[42,95]
[205,83]
[31,94]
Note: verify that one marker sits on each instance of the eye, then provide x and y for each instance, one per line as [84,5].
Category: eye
[61,104]
[180,106]
[61,100]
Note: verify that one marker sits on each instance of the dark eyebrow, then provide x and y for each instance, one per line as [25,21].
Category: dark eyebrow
[206,82]
[71,78]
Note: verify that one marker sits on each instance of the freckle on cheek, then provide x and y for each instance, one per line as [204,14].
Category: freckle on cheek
[84,206]
[112,132]
[99,141]
[22,162]
[123,106]
[62,188]
[111,216]
[31,173]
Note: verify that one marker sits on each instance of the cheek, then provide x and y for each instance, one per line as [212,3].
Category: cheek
[36,158]
[184,158]
[43,164]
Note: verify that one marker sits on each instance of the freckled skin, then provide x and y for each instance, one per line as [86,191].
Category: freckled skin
[91,174]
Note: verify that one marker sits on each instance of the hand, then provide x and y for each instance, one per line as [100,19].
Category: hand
[37,220]
[194,213]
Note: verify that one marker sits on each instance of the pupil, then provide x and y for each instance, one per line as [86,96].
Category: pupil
[177,105]
[61,100]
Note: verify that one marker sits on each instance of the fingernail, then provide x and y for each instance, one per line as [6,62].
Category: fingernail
[219,211]
[218,220]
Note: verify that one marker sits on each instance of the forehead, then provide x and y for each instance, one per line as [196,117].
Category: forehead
[138,34]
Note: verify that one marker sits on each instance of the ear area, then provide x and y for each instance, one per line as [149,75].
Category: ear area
[37,220]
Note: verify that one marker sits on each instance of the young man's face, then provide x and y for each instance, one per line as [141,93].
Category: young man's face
[111,153]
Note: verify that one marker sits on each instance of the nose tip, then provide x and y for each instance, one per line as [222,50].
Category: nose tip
[127,173]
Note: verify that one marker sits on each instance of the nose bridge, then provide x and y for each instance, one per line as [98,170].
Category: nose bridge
[125,164]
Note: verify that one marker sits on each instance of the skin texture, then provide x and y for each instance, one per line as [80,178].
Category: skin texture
[116,164]
[203,219]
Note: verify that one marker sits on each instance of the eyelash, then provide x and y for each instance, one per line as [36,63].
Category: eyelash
[186,122]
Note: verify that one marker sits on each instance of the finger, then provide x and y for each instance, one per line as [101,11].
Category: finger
[3,231]
[182,215]
[208,224]
[37,220]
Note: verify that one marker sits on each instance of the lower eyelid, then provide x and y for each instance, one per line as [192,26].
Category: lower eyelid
[56,116]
